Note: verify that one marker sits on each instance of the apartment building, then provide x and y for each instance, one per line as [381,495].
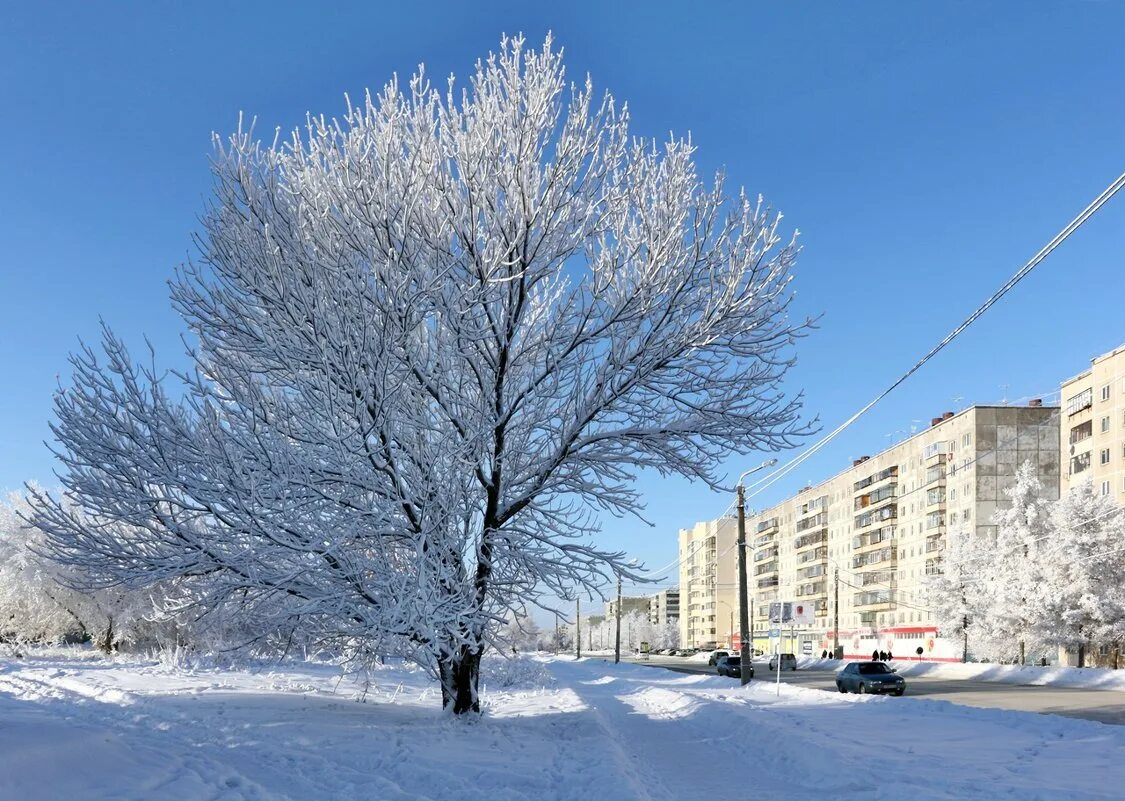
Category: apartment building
[628,604]
[708,582]
[1092,426]
[883,523]
[664,607]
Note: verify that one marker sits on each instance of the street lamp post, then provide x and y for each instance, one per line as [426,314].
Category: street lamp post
[743,595]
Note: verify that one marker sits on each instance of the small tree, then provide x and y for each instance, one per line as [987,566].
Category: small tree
[433,337]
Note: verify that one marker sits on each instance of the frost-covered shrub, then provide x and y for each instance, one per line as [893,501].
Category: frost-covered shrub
[515,673]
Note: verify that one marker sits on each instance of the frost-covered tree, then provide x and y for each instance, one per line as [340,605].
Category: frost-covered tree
[1082,596]
[431,341]
[519,632]
[949,590]
[1010,569]
[38,599]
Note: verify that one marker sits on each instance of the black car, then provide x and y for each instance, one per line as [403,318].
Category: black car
[870,677]
[731,666]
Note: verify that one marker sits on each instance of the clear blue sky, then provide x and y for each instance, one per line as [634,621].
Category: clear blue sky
[924,150]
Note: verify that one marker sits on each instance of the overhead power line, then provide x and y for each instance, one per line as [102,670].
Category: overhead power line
[1019,275]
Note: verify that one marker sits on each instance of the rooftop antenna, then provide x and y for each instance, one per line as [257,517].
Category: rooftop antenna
[1004,400]
[957,402]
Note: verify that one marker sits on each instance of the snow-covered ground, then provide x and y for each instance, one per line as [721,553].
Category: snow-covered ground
[79,728]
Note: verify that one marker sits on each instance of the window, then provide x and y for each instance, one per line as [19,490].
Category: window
[1105,392]
[966,440]
[1105,424]
[1105,456]
[1105,488]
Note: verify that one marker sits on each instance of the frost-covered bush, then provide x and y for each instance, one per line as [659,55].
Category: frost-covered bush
[515,673]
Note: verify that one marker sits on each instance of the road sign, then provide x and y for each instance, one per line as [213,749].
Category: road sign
[781,612]
[806,648]
[803,614]
[775,632]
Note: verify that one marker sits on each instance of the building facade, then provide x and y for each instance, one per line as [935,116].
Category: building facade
[628,604]
[708,582]
[664,607]
[880,526]
[1092,426]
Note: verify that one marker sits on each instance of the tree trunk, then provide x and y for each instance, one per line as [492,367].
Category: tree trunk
[1082,655]
[460,677]
[104,643]
[1022,654]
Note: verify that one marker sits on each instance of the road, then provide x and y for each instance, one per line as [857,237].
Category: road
[1107,706]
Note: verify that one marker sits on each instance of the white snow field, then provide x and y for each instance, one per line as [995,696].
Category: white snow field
[77,728]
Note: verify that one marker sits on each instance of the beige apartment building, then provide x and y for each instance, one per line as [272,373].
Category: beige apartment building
[883,523]
[628,604]
[708,588]
[1092,426]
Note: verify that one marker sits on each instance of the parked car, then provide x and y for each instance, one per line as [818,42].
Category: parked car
[714,658]
[731,666]
[788,662]
[870,677]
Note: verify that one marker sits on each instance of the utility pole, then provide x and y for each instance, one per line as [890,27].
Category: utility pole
[744,650]
[617,636]
[577,627]
[743,595]
[836,615]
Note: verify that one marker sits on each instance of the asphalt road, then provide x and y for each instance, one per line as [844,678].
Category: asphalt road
[1107,706]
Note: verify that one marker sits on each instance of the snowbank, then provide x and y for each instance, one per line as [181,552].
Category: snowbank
[1092,678]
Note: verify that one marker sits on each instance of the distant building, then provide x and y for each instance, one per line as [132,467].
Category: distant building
[1092,426]
[628,604]
[883,524]
[664,607]
[708,582]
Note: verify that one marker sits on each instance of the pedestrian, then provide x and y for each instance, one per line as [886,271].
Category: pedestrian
[890,656]
[882,656]
[824,654]
[874,656]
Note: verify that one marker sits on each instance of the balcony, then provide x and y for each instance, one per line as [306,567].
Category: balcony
[812,556]
[808,540]
[818,521]
[876,516]
[768,567]
[766,553]
[1083,400]
[884,578]
[933,567]
[874,601]
[935,544]
[767,525]
[812,589]
[870,499]
[936,475]
[875,478]
[883,556]
[939,450]
[765,539]
[1081,432]
[874,538]
[1080,463]
[813,571]
[767,582]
